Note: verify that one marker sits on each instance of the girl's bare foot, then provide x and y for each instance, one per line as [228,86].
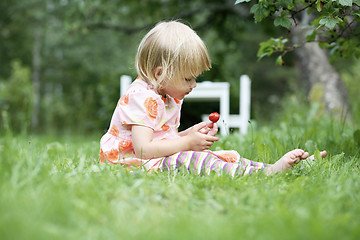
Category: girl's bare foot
[290,159]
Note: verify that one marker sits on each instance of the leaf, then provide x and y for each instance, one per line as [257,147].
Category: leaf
[241,1]
[356,13]
[311,36]
[324,44]
[282,20]
[270,46]
[346,2]
[319,5]
[259,12]
[329,22]
[279,61]
[266,49]
[287,4]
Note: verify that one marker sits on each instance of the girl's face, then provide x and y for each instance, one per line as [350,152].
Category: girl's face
[179,92]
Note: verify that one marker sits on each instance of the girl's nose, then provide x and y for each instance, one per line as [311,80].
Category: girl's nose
[193,83]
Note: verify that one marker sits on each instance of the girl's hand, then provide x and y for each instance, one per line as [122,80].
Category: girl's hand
[199,138]
[213,129]
[206,129]
[146,148]
[210,129]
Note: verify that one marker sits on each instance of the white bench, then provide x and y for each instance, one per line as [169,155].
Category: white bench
[218,91]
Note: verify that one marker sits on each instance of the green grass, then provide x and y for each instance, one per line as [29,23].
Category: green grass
[54,188]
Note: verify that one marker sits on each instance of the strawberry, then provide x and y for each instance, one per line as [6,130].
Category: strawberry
[214,117]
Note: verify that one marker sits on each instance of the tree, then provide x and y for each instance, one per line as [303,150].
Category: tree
[30,37]
[67,65]
[227,30]
[76,51]
[16,98]
[314,26]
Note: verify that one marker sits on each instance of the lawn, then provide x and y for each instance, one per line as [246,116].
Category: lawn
[52,187]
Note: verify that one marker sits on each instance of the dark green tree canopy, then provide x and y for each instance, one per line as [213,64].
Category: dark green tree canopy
[332,23]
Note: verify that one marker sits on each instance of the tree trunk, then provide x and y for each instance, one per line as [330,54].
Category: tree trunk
[320,77]
[35,76]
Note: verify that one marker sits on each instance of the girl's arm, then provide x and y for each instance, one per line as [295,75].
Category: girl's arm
[145,147]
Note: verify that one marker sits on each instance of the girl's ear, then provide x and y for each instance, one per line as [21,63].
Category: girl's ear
[158,72]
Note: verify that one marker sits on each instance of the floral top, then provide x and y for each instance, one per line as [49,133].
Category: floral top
[140,105]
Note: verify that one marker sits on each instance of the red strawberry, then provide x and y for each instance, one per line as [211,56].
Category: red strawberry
[214,117]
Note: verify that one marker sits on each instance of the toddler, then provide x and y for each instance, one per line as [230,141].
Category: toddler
[144,126]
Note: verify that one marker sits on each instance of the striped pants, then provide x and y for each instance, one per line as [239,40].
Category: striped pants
[206,163]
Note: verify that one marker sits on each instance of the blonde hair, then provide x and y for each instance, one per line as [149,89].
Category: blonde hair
[174,47]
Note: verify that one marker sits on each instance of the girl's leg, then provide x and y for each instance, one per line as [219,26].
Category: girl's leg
[252,166]
[290,159]
[204,163]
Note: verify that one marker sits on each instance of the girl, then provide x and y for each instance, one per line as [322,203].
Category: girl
[144,127]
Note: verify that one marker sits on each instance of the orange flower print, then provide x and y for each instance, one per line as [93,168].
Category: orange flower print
[228,156]
[114,131]
[124,100]
[165,127]
[164,99]
[102,156]
[151,107]
[112,155]
[177,100]
[125,146]
[129,164]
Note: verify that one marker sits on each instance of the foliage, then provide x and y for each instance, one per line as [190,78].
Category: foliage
[269,47]
[85,46]
[335,23]
[16,97]
[54,188]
